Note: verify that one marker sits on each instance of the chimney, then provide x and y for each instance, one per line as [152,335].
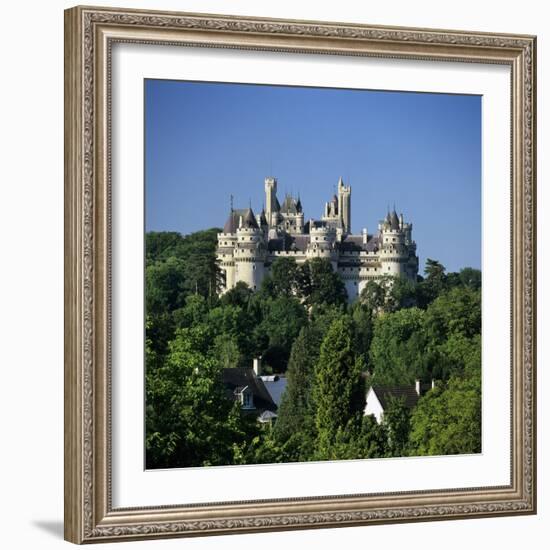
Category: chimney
[417,386]
[365,235]
[257,365]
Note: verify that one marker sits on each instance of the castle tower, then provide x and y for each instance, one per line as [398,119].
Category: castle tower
[250,250]
[344,205]
[393,252]
[270,184]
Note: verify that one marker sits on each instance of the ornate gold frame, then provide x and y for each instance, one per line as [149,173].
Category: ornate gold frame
[89,34]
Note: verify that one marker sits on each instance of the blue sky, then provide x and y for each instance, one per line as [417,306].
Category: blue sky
[421,152]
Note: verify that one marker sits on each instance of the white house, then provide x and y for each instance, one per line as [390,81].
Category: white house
[379,397]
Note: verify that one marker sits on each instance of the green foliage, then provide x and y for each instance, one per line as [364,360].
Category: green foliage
[373,296]
[190,421]
[196,255]
[447,420]
[397,351]
[284,277]
[282,320]
[362,437]
[456,311]
[397,419]
[338,390]
[300,323]
[239,295]
[320,284]
[295,407]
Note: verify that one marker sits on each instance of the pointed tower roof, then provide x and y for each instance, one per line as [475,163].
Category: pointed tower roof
[394,220]
[263,219]
[289,205]
[249,220]
[231,223]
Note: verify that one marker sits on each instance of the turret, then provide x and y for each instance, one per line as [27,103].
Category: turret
[250,250]
[344,205]
[394,255]
[271,202]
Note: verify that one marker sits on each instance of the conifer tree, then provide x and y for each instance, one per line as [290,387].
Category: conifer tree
[294,408]
[338,390]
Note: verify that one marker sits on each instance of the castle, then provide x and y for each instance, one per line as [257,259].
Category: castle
[249,244]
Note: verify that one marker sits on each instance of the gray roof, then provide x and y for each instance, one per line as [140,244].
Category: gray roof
[232,223]
[266,416]
[354,243]
[394,220]
[299,242]
[289,205]
[276,386]
[249,220]
[276,245]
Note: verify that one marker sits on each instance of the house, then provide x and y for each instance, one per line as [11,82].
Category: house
[259,395]
[379,397]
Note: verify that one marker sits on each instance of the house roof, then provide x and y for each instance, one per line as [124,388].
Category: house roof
[236,379]
[266,416]
[386,393]
[276,386]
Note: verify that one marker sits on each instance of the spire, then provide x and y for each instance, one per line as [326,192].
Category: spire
[231,202]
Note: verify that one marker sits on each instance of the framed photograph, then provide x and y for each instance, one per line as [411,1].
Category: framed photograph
[300,274]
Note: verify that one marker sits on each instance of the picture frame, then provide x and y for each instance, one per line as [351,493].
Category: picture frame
[90,34]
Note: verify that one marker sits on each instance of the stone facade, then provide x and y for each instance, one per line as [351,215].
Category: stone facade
[249,244]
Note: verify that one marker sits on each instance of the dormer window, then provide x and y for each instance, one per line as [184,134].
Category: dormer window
[247,400]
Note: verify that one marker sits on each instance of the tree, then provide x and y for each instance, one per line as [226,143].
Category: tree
[239,295]
[194,311]
[434,283]
[403,293]
[398,349]
[320,284]
[363,323]
[397,418]
[294,412]
[190,421]
[165,286]
[361,438]
[284,277]
[457,311]
[338,390]
[447,420]
[160,245]
[470,278]
[373,296]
